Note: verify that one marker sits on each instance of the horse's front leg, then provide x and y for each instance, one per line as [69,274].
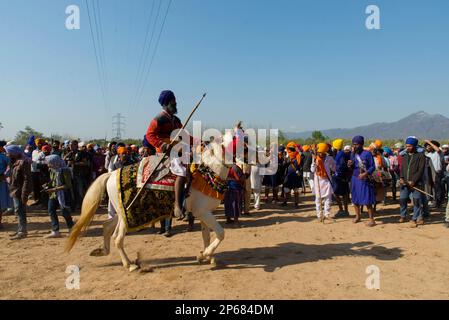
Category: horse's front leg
[211,223]
[205,231]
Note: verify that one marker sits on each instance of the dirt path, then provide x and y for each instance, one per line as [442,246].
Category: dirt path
[279,254]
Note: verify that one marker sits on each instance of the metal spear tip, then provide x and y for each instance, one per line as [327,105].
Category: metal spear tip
[204,95]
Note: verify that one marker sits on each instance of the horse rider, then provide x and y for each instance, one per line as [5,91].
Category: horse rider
[158,135]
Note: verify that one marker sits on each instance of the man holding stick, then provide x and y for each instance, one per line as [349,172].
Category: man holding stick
[158,135]
[411,180]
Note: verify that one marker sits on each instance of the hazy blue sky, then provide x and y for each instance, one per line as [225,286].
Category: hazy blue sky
[294,65]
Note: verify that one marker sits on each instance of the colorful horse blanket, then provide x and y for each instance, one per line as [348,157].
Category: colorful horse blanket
[156,201]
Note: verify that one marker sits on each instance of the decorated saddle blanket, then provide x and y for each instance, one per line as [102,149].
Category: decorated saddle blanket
[154,203]
[205,180]
[162,178]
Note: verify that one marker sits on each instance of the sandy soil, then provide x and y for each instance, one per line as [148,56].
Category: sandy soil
[279,254]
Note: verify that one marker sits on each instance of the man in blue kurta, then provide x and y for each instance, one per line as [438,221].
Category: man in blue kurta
[363,192]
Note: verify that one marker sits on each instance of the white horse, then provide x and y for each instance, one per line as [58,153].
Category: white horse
[198,203]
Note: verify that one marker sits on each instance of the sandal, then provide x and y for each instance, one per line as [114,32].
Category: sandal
[370,224]
[356,220]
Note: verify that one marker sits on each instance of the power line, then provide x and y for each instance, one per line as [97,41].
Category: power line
[154,54]
[144,47]
[102,87]
[101,54]
[143,53]
[146,53]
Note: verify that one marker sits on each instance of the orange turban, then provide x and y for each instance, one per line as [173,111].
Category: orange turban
[306,148]
[293,154]
[121,150]
[291,145]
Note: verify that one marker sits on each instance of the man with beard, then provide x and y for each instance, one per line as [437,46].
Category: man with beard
[363,192]
[341,178]
[411,177]
[158,135]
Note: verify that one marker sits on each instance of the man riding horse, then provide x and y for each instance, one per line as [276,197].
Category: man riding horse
[158,135]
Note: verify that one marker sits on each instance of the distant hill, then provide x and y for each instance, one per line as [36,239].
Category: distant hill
[420,124]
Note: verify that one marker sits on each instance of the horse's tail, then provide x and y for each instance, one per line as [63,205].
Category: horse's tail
[90,205]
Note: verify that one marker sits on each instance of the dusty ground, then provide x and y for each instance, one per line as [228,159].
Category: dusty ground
[279,254]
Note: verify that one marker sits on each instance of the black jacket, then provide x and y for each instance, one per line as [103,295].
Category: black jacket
[307,161]
[413,166]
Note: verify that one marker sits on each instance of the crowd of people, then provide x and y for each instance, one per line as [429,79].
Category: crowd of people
[339,174]
[54,175]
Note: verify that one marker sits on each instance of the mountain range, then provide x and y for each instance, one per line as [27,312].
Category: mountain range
[420,124]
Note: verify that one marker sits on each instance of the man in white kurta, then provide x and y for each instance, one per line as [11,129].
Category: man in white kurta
[256,185]
[323,185]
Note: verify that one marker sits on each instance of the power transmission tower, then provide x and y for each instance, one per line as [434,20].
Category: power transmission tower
[118,126]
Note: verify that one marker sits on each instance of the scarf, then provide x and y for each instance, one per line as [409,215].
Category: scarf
[320,167]
[379,161]
[58,166]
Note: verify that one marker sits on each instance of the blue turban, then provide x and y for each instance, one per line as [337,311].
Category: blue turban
[145,142]
[55,161]
[412,141]
[31,141]
[165,97]
[13,150]
[358,140]
[388,151]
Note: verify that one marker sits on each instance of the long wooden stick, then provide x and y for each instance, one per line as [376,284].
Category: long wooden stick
[423,192]
[166,152]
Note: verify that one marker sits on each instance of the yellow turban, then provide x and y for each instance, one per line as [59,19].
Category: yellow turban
[338,144]
[322,148]
[378,144]
[39,141]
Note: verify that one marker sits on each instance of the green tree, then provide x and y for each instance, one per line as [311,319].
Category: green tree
[318,136]
[282,138]
[23,135]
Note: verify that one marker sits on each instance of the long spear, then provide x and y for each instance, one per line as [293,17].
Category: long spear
[423,192]
[167,151]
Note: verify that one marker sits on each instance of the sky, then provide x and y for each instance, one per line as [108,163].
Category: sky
[289,64]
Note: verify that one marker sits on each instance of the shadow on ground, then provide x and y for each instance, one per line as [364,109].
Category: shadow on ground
[282,255]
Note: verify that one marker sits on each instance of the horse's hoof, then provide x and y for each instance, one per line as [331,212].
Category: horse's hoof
[98,253]
[146,269]
[133,267]
[200,258]
[213,262]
